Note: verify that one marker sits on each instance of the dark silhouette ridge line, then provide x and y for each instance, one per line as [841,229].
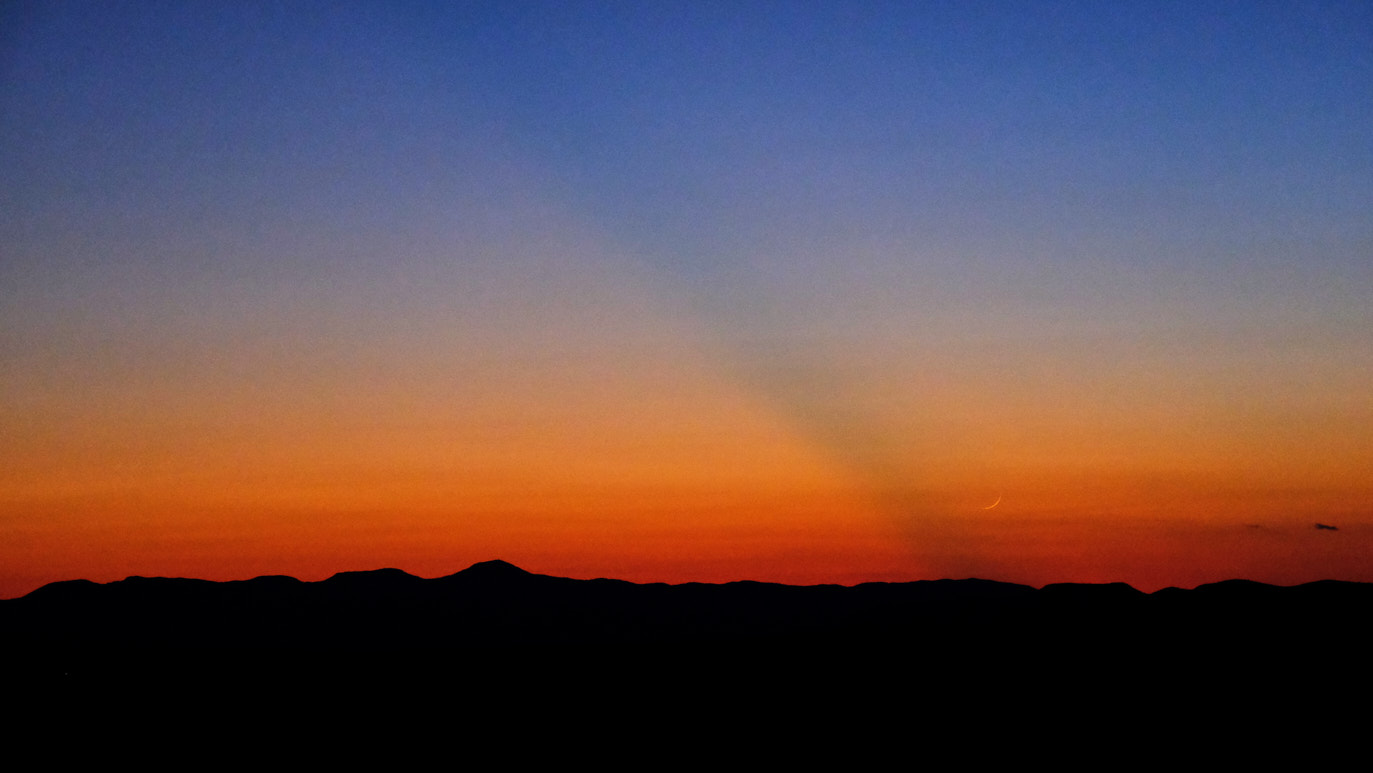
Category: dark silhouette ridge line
[495,604]
[499,632]
[498,569]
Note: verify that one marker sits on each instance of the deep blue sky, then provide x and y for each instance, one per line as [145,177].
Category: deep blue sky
[696,132]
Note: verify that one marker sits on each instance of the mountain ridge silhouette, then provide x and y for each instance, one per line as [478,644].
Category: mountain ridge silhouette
[496,601]
[495,622]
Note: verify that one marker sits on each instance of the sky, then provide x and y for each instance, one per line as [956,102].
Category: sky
[797,292]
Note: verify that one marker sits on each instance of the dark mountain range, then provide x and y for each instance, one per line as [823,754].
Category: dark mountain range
[496,613]
[497,603]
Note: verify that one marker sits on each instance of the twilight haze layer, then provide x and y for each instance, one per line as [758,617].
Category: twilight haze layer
[805,292]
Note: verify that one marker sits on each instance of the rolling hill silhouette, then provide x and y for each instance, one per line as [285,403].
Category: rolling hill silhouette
[513,621]
[498,603]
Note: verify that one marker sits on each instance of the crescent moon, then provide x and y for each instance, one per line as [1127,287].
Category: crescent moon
[994,504]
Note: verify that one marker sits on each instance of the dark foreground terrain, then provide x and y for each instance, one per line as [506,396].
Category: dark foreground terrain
[494,652]
[502,643]
[497,607]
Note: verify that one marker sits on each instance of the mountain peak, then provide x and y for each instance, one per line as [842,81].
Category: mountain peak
[493,568]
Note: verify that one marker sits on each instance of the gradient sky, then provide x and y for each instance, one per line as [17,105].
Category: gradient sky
[687,291]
